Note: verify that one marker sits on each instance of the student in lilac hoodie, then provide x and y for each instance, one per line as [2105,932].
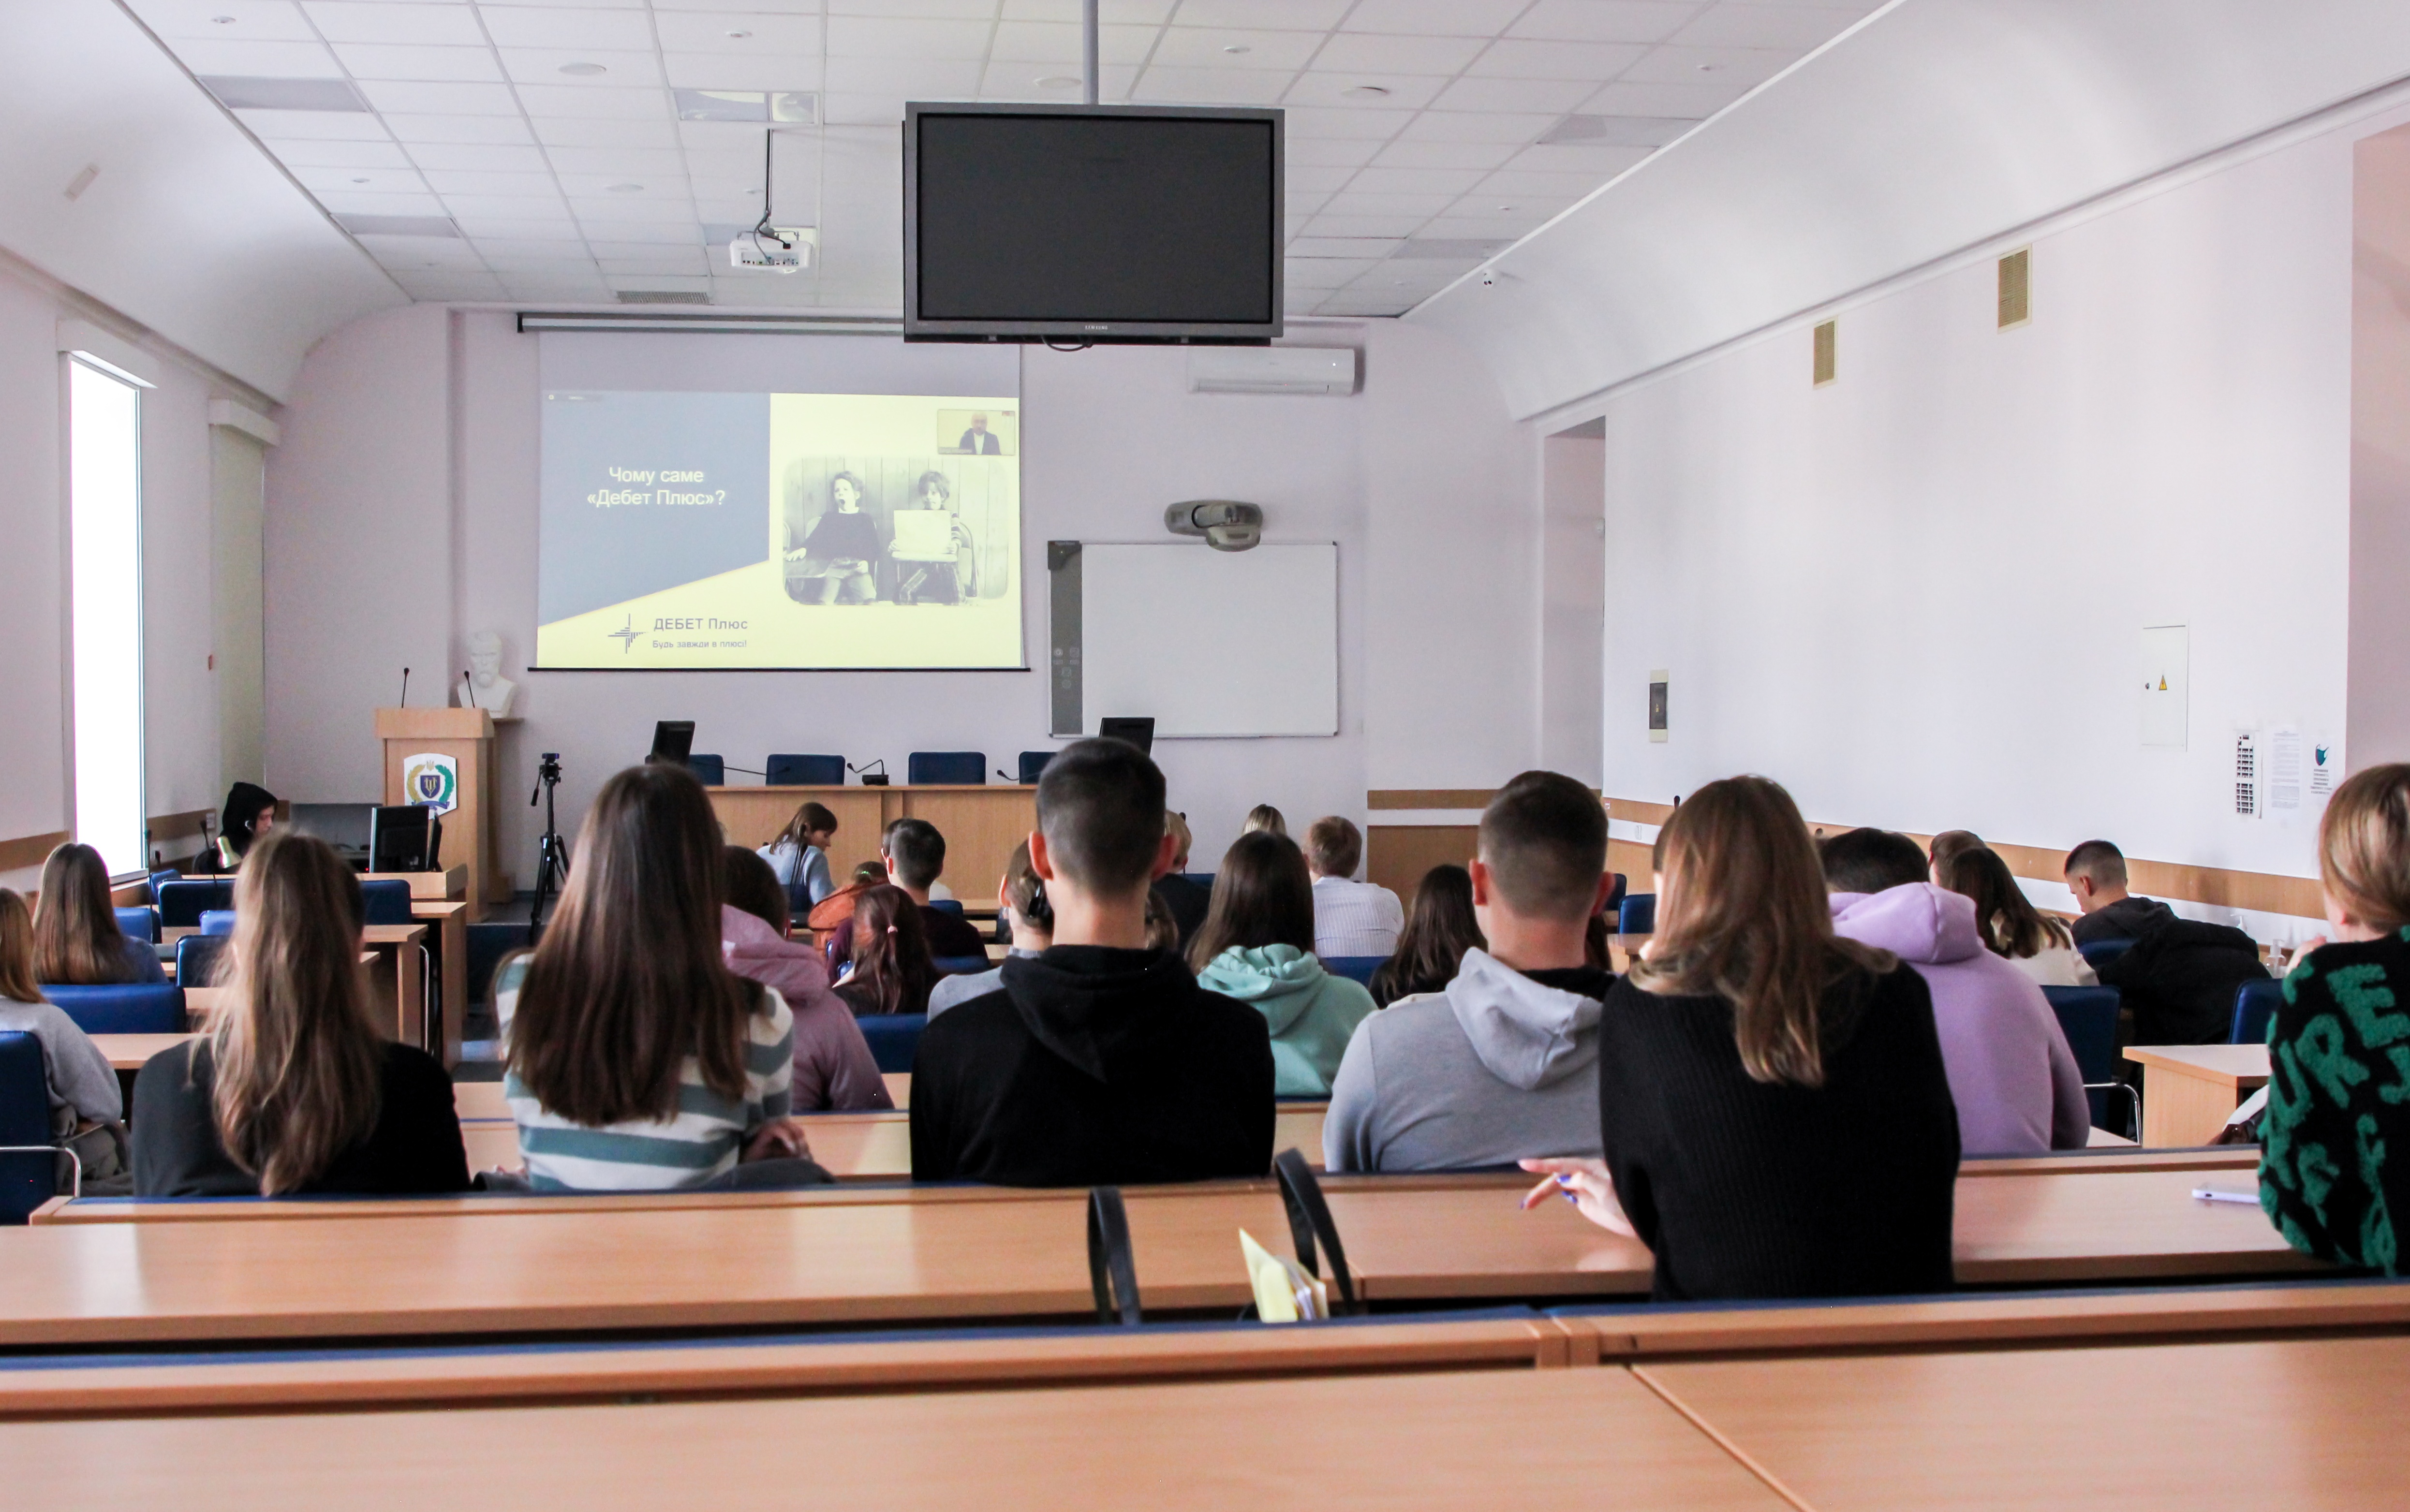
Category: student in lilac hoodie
[2010,1072]
[835,1071]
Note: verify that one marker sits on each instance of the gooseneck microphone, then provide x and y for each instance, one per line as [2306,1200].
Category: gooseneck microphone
[405,687]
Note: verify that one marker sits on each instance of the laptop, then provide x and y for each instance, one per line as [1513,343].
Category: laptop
[344,825]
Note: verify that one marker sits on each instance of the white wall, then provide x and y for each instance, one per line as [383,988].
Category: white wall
[1421,479]
[1914,596]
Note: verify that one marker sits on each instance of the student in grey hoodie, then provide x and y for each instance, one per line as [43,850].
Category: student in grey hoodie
[1502,1065]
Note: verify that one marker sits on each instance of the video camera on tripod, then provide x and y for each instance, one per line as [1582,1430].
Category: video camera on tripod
[552,852]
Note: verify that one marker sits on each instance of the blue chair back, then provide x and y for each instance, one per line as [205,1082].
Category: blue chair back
[1638,915]
[949,906]
[710,770]
[1033,764]
[785,769]
[961,965]
[182,902]
[1203,879]
[124,1008]
[217,921]
[1615,897]
[2255,1004]
[28,1175]
[160,879]
[196,959]
[385,900]
[1354,968]
[894,1038]
[2099,951]
[487,945]
[140,924]
[2088,1017]
[959,768]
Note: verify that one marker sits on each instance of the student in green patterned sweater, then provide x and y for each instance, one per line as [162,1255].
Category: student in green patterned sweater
[2339,1046]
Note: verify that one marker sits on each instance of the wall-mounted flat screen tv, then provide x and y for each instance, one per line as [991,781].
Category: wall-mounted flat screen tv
[1095,224]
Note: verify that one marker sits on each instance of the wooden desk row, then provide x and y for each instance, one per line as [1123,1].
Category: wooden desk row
[844,1257]
[2291,1422]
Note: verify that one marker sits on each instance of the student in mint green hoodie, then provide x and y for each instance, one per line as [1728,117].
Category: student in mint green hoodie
[1256,945]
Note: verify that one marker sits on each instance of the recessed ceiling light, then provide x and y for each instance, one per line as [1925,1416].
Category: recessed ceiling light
[1366,91]
[1058,82]
[359,180]
[222,21]
[1237,47]
[583,71]
[1709,68]
[627,189]
[1505,207]
[740,36]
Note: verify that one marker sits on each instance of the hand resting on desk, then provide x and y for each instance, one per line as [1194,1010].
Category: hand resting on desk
[1586,1183]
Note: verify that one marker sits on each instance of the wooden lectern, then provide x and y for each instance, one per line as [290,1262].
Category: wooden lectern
[466,738]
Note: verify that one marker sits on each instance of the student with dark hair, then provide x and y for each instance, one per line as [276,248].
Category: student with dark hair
[1350,917]
[887,969]
[1439,929]
[799,858]
[76,941]
[2095,874]
[2336,1111]
[1948,843]
[637,1059]
[248,815]
[1100,1061]
[1499,1063]
[2180,976]
[1184,899]
[1776,1117]
[834,1070]
[1021,897]
[2012,1075]
[1257,946]
[293,1090]
[915,854]
[2012,927]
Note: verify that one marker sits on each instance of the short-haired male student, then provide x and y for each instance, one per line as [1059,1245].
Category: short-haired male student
[1503,1064]
[915,854]
[1098,1061]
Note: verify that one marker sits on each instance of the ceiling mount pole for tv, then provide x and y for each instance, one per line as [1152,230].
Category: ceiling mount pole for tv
[1088,42]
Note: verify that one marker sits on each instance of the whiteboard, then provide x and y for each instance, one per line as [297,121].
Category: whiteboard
[1210,643]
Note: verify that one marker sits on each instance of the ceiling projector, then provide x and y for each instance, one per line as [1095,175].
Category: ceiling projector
[773,248]
[1227,524]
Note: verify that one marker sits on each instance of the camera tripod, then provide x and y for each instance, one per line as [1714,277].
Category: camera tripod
[552,852]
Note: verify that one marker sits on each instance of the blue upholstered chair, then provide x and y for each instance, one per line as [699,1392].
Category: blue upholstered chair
[1638,915]
[2099,951]
[29,1163]
[385,900]
[140,924]
[961,965]
[124,1008]
[1615,896]
[217,921]
[2088,1017]
[894,1038]
[961,769]
[2255,1004]
[949,906]
[1033,764]
[1354,968]
[160,879]
[182,902]
[196,959]
[788,771]
[710,770]
[1203,879]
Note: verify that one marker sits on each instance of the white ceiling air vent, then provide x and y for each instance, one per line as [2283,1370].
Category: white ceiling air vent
[1271,370]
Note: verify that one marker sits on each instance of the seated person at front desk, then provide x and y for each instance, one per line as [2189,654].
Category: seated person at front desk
[1100,1061]
[76,941]
[2339,1046]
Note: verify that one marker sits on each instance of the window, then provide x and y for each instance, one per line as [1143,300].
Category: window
[104,557]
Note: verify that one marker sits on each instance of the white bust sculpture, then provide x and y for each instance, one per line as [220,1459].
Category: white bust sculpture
[486,688]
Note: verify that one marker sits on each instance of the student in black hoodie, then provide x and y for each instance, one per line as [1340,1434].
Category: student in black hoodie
[1099,1061]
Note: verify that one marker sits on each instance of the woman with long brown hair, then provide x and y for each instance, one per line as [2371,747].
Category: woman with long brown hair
[76,941]
[1256,945]
[293,1090]
[638,1061]
[86,1112]
[2006,920]
[1775,1112]
[1439,929]
[891,970]
[799,857]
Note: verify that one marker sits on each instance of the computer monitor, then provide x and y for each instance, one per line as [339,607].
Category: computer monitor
[673,741]
[1135,731]
[404,837]
[344,825]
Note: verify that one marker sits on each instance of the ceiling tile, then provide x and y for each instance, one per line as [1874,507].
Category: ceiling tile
[252,21]
[1351,203]
[517,210]
[707,31]
[727,71]
[1595,61]
[937,9]
[609,104]
[1793,27]
[1322,272]
[584,188]
[1296,206]
[1128,12]
[679,233]
[430,129]
[393,60]
[400,179]
[1733,67]
[1018,80]
[571,28]
[352,21]
[1368,249]
[1546,182]
[922,78]
[547,66]
[358,202]
[1350,52]
[312,126]
[1212,86]
[691,261]
[482,157]
[258,60]
[1691,102]
[1292,15]
[619,163]
[782,8]
[622,250]
[1448,181]
[1516,94]
[1497,223]
[862,108]
[916,40]
[1467,126]
[590,131]
[511,232]
[1206,47]
[1404,91]
[1310,179]
[470,181]
[1348,121]
[1604,20]
[1442,17]
[1324,152]
[340,154]
[415,98]
[528,251]
[1601,163]
[1404,153]
[1026,41]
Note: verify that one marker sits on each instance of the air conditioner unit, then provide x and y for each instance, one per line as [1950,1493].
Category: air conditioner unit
[1271,370]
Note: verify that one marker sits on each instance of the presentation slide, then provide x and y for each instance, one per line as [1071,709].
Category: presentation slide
[702,530]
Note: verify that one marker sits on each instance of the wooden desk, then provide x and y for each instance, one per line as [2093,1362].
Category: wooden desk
[449,919]
[2297,1423]
[131,1052]
[981,825]
[2190,1090]
[400,980]
[899,1087]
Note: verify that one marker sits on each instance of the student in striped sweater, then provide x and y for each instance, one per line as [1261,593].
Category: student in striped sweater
[637,1059]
